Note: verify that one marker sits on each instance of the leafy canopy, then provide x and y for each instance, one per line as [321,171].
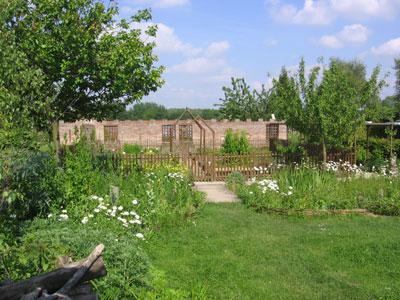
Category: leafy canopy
[326,107]
[72,60]
[242,102]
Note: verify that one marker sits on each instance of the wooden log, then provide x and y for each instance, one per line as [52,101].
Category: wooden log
[83,268]
[52,281]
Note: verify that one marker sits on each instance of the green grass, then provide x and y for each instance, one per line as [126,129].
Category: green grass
[235,253]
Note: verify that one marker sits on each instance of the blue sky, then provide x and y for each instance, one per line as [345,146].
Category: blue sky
[203,43]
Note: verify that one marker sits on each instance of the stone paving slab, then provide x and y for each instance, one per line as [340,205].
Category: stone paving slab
[216,192]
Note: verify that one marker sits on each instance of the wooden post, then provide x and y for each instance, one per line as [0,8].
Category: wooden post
[170,140]
[114,193]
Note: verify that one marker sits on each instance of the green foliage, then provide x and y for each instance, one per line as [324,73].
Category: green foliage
[79,175]
[30,183]
[44,240]
[72,60]
[132,148]
[154,111]
[307,188]
[376,152]
[235,143]
[293,146]
[397,87]
[148,200]
[327,112]
[235,180]
[144,111]
[240,102]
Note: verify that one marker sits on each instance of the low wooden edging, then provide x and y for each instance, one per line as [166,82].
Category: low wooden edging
[318,212]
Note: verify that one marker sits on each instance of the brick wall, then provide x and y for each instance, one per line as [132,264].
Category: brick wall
[149,132]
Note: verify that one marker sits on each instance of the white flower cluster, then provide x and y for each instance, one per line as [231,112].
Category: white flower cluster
[270,185]
[268,169]
[177,176]
[341,166]
[126,217]
[61,217]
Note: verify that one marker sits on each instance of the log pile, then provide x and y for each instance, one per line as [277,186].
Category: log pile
[69,282]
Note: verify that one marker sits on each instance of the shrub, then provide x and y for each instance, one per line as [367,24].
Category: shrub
[293,146]
[79,172]
[30,182]
[44,240]
[376,152]
[235,143]
[235,180]
[132,148]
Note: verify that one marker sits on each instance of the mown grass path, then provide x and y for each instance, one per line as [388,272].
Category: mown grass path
[234,253]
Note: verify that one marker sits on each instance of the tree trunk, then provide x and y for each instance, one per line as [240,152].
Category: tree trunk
[324,155]
[56,139]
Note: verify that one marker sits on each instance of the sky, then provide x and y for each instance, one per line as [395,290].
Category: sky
[203,43]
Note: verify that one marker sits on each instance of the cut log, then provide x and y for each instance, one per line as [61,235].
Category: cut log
[52,281]
[83,268]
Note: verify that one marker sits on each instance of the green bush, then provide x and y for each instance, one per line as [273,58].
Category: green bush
[293,146]
[235,143]
[132,148]
[44,240]
[80,172]
[376,152]
[30,183]
[235,180]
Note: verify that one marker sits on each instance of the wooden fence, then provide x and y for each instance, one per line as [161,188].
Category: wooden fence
[212,167]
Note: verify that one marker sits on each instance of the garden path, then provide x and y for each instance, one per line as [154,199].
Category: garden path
[216,192]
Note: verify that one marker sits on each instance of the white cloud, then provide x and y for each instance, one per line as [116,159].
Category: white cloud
[312,13]
[362,9]
[162,3]
[198,65]
[389,48]
[168,41]
[323,12]
[330,41]
[350,34]
[217,48]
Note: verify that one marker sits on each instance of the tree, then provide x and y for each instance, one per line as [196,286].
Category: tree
[83,63]
[144,111]
[150,110]
[241,102]
[397,86]
[356,72]
[327,112]
[24,100]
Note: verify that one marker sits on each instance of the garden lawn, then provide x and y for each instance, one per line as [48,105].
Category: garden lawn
[231,252]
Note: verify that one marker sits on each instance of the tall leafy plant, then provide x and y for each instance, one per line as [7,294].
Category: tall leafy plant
[242,102]
[326,108]
[235,143]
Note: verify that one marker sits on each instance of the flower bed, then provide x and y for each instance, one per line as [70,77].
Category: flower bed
[148,199]
[339,186]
